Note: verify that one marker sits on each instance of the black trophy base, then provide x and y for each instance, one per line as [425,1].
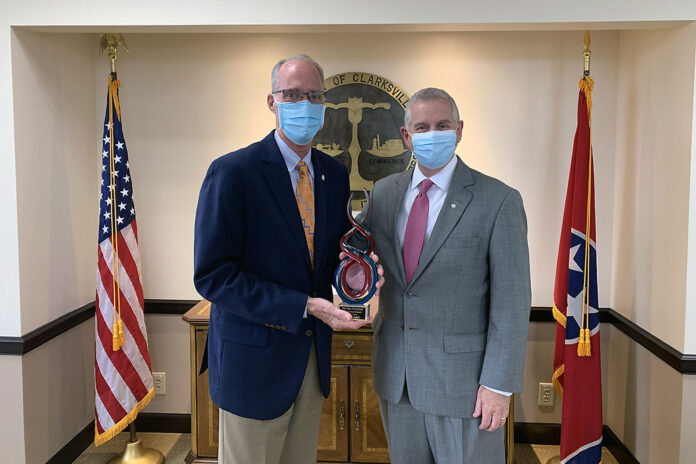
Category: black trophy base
[359,312]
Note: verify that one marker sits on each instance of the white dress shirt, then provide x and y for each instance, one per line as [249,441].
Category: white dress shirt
[436,198]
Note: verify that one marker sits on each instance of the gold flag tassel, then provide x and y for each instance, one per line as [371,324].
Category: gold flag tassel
[118,338]
[586,84]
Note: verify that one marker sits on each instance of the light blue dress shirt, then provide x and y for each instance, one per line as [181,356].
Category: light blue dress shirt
[291,159]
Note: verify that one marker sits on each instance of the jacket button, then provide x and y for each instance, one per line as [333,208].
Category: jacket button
[308,332]
[315,294]
[409,294]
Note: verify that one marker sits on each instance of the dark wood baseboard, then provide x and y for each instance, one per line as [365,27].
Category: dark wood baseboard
[537,433]
[145,422]
[682,363]
[37,337]
[550,434]
[163,423]
[24,344]
[169,306]
[617,448]
[75,447]
[525,432]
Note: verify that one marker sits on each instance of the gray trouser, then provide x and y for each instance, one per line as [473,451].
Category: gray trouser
[289,439]
[418,438]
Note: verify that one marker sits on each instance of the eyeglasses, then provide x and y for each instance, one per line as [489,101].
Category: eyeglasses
[295,95]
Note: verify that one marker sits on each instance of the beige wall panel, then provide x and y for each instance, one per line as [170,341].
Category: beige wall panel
[688,420]
[188,99]
[58,391]
[653,157]
[12,417]
[644,402]
[57,175]
[168,340]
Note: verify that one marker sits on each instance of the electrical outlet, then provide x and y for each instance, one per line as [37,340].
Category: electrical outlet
[546,394]
[160,381]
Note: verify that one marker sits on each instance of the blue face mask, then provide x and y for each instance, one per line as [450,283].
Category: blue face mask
[300,121]
[435,148]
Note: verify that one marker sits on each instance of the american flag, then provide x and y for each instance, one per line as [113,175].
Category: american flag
[122,371]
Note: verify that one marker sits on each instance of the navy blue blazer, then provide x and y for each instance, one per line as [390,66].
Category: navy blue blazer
[252,263]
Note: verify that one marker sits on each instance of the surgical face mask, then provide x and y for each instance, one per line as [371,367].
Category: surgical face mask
[435,148]
[301,120]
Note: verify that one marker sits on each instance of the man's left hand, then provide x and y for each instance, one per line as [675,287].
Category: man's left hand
[492,408]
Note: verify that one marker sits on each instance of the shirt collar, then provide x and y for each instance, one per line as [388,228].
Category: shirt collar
[291,158]
[442,178]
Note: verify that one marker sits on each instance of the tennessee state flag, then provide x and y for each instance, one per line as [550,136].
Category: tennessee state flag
[577,377]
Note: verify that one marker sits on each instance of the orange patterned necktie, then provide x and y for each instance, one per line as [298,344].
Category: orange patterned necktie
[305,203]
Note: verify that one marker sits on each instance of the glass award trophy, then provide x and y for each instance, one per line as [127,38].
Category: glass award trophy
[357,244]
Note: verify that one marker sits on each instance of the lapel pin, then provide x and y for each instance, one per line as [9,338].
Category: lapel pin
[323,177]
[453,205]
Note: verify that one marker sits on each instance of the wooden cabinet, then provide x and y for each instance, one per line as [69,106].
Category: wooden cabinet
[351,425]
[335,419]
[204,413]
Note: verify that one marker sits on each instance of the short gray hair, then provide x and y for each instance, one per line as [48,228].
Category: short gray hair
[430,93]
[276,69]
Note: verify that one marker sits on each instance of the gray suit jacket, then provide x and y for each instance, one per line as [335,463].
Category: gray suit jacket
[462,321]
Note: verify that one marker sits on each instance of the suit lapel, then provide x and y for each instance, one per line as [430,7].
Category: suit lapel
[320,201]
[276,173]
[456,201]
[396,200]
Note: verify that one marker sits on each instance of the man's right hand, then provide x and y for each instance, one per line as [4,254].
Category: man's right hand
[335,318]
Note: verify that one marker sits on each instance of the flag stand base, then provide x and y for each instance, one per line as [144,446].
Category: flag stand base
[554,460]
[136,453]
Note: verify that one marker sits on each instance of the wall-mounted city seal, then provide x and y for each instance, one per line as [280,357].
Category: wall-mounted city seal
[364,114]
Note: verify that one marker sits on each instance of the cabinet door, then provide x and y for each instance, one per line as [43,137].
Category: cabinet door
[335,419]
[205,435]
[368,442]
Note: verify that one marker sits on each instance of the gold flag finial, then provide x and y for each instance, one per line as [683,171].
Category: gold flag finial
[586,54]
[110,43]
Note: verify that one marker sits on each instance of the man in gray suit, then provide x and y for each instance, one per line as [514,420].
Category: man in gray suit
[451,330]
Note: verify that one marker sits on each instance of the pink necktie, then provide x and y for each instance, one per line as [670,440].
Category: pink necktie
[415,229]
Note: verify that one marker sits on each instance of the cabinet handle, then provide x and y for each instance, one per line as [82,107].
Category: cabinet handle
[342,416]
[349,343]
[357,415]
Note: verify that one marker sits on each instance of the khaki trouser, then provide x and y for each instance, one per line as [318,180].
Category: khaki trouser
[289,439]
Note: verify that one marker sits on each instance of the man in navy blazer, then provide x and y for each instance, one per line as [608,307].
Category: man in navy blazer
[271,318]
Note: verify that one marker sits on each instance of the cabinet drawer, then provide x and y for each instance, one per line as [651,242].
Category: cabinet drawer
[353,348]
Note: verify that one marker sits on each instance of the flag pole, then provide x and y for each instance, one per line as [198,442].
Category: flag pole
[134,451]
[585,75]
[586,55]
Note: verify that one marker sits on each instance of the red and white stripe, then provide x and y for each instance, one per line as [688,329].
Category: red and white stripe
[123,378]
